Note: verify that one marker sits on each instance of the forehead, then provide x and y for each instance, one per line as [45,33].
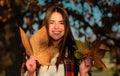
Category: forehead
[56,16]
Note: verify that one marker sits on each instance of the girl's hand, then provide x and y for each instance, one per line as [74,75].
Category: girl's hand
[85,66]
[31,64]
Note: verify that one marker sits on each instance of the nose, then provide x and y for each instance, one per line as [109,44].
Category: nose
[56,25]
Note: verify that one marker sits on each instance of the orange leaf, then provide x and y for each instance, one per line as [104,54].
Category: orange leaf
[39,40]
[93,51]
[44,56]
[99,63]
[37,45]
[26,42]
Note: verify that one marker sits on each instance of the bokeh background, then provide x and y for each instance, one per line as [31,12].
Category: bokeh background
[91,20]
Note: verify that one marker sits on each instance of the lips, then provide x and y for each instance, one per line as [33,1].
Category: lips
[56,32]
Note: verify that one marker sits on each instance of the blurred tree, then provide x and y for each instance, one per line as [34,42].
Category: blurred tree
[88,18]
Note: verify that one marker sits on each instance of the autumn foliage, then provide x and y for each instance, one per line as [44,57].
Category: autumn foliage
[94,50]
[37,45]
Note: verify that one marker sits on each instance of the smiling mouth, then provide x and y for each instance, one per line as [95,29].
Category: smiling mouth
[56,32]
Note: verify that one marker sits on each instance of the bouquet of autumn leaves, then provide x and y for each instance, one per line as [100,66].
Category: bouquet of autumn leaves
[95,50]
[37,45]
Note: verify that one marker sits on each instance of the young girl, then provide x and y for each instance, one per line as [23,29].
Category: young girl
[60,36]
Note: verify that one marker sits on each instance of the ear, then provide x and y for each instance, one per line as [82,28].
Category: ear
[26,42]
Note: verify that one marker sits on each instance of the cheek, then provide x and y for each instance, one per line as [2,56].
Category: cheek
[50,31]
[50,27]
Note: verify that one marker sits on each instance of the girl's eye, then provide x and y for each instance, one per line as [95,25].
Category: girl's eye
[61,22]
[50,22]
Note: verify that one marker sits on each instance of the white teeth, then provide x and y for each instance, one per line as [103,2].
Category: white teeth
[56,32]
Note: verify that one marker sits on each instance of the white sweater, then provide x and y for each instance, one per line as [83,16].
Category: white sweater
[51,71]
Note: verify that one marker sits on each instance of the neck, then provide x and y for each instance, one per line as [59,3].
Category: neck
[56,43]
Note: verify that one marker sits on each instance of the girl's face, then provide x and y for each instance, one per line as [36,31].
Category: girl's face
[56,26]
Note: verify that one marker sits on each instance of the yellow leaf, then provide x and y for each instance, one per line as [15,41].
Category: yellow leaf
[82,47]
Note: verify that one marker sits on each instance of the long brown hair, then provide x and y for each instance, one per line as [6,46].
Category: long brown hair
[67,42]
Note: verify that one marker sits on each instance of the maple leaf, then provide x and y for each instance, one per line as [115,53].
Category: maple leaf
[39,40]
[44,56]
[94,51]
[98,54]
[82,46]
[26,42]
[37,45]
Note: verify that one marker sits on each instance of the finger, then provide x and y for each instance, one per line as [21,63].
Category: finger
[30,63]
[33,57]
[87,62]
